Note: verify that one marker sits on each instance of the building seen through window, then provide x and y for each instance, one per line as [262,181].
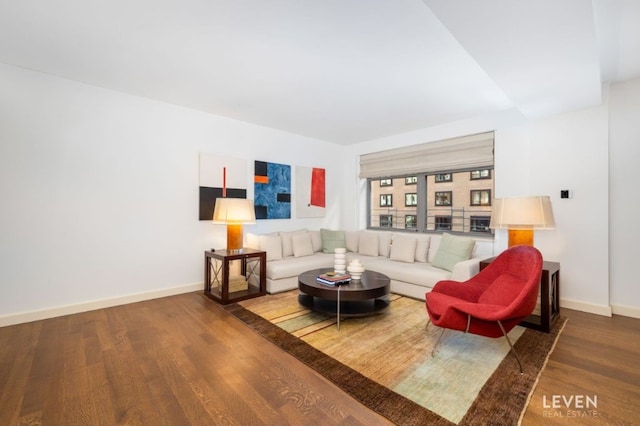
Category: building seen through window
[452,201]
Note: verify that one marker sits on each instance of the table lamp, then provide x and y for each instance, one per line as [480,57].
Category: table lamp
[521,216]
[234,212]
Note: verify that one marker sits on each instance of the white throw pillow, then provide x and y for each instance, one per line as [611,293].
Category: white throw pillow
[316,240]
[272,244]
[384,239]
[403,249]
[302,245]
[368,243]
[287,245]
[422,247]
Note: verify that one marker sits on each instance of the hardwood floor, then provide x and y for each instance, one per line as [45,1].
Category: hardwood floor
[183,360]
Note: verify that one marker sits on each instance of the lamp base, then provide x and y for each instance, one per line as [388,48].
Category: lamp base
[519,237]
[234,237]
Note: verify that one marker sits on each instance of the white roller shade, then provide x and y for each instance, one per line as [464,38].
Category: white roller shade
[463,153]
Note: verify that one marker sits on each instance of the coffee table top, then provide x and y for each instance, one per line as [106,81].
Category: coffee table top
[370,286]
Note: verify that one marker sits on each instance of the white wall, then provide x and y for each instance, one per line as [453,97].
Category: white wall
[567,151]
[100,192]
[624,202]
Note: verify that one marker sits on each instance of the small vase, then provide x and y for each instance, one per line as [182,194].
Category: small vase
[339,260]
[356,269]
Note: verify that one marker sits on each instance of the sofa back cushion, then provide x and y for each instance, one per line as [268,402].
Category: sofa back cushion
[351,238]
[368,243]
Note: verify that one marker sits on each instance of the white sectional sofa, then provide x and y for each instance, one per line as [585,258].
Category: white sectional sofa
[413,262]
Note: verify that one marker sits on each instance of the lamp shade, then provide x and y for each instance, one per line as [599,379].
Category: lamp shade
[234,211]
[522,213]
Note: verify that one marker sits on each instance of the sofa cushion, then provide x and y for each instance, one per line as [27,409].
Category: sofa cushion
[332,240]
[416,273]
[368,243]
[403,249]
[422,247]
[316,240]
[351,238]
[302,245]
[384,240]
[287,245]
[452,249]
[272,244]
[294,266]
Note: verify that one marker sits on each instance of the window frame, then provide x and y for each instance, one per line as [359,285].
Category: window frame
[386,196]
[480,176]
[480,203]
[407,199]
[438,196]
[438,226]
[442,177]
[476,218]
[386,182]
[407,219]
[387,216]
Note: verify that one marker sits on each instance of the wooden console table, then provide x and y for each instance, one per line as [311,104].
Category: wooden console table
[549,297]
[231,277]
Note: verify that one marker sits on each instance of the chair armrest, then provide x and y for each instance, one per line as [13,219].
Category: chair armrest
[466,269]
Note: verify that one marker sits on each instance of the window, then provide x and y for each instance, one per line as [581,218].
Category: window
[386,221]
[431,184]
[481,174]
[444,177]
[443,223]
[480,197]
[410,221]
[443,198]
[480,223]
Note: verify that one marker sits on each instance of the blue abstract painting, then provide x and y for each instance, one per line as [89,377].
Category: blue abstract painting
[272,190]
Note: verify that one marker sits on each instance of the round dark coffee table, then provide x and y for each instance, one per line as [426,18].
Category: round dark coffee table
[369,295]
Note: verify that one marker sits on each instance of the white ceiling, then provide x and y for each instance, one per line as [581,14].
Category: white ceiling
[343,71]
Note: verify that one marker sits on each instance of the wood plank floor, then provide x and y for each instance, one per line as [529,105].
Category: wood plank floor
[183,360]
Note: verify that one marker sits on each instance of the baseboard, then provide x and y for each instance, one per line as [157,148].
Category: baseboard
[627,311]
[41,314]
[604,310]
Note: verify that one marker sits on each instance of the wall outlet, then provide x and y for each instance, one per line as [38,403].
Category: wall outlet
[565,193]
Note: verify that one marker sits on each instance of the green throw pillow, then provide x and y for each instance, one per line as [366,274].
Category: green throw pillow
[452,250]
[332,240]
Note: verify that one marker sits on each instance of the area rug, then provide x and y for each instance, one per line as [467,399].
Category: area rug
[385,362]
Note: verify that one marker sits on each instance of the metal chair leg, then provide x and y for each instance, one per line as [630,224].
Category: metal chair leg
[511,346]
[433,351]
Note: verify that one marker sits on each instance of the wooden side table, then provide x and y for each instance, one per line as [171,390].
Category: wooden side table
[549,297]
[231,277]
